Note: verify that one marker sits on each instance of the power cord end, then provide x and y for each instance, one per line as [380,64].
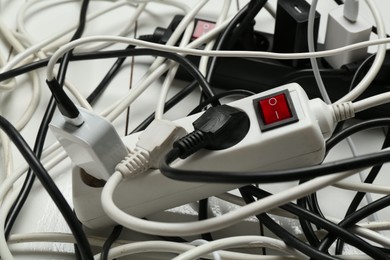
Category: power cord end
[94,146]
[218,128]
[152,145]
[67,108]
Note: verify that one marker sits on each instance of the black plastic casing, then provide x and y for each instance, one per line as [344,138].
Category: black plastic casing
[290,35]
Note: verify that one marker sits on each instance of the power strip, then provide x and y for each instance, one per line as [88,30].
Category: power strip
[286,130]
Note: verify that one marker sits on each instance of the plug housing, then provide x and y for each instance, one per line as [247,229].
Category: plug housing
[291,22]
[342,32]
[94,146]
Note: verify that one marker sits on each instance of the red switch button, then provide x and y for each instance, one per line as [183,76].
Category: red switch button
[274,109]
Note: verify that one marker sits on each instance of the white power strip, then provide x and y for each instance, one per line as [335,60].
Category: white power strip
[286,131]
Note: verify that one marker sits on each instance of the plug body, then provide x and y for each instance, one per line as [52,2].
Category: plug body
[291,22]
[342,32]
[284,132]
[94,146]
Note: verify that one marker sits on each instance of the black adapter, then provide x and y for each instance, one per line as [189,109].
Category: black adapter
[290,34]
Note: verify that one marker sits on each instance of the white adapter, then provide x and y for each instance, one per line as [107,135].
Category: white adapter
[343,30]
[94,146]
[286,131]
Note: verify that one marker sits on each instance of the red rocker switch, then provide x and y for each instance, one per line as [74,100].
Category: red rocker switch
[275,110]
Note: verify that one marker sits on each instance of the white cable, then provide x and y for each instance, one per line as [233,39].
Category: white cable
[239,241]
[7,157]
[202,64]
[196,52]
[371,235]
[311,46]
[60,37]
[270,9]
[378,61]
[171,75]
[173,247]
[363,187]
[212,224]
[54,237]
[199,242]
[209,46]
[372,101]
[236,200]
[157,68]
[6,201]
[33,49]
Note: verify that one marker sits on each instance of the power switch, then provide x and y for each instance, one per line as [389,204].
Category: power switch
[275,110]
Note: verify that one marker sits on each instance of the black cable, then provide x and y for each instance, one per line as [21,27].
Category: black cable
[184,62]
[307,229]
[254,8]
[357,216]
[64,103]
[107,78]
[272,176]
[110,240]
[286,236]
[202,215]
[341,135]
[322,222]
[222,39]
[50,187]
[358,127]
[106,55]
[42,132]
[360,195]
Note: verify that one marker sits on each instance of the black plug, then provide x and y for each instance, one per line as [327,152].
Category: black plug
[218,128]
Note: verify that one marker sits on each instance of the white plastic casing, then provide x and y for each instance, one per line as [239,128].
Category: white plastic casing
[342,32]
[94,146]
[296,144]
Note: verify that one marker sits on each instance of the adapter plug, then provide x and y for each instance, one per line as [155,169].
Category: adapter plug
[94,146]
[291,22]
[341,32]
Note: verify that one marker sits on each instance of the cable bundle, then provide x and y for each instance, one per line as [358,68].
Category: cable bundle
[30,56]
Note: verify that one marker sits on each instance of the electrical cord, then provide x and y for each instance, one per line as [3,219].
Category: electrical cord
[43,128]
[222,38]
[371,176]
[110,240]
[253,9]
[287,237]
[357,216]
[331,227]
[358,127]
[50,187]
[202,215]
[175,57]
[272,176]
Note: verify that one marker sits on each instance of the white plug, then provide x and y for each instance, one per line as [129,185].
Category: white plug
[94,146]
[345,27]
[287,130]
[351,10]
